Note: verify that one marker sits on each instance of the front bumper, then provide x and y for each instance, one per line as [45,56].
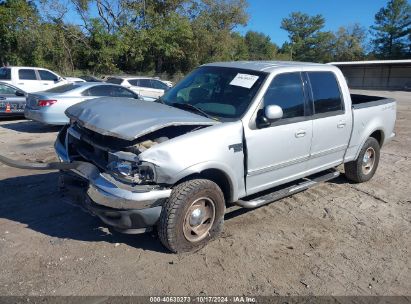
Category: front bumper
[128,209]
[74,190]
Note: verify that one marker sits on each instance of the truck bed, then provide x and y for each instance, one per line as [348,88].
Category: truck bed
[365,101]
[370,114]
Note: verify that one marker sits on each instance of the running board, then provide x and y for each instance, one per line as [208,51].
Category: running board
[279,194]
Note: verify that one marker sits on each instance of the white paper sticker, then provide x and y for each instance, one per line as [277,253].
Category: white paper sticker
[244,80]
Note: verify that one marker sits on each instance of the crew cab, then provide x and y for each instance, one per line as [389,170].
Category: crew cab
[31,79]
[242,133]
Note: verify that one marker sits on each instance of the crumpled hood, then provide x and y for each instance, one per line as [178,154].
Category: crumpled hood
[129,119]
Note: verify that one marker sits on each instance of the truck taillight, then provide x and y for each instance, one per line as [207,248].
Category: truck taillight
[46,103]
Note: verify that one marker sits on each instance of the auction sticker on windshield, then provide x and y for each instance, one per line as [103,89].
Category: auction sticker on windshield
[244,80]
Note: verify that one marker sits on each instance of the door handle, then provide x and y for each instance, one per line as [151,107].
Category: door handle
[300,133]
[341,124]
[20,83]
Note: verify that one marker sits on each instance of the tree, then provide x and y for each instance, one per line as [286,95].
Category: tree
[349,43]
[307,41]
[392,29]
[259,46]
[19,34]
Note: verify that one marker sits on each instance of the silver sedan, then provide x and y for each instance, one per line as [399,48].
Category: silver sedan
[49,106]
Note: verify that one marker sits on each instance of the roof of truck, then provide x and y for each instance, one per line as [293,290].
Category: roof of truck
[264,66]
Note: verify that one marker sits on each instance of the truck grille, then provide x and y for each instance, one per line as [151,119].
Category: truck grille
[86,144]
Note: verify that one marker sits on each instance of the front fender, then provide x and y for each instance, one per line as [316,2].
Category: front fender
[212,165]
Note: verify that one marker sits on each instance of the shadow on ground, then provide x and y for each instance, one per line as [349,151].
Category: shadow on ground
[34,201]
[29,126]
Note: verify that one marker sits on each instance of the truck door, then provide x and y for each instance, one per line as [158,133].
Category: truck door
[331,121]
[27,80]
[48,80]
[277,153]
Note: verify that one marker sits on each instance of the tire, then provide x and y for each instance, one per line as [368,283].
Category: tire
[180,216]
[357,171]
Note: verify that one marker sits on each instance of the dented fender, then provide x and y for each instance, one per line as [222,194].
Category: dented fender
[219,147]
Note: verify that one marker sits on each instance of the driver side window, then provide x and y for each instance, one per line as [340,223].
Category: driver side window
[286,90]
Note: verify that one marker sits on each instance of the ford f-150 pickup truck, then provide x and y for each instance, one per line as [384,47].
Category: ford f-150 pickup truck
[242,133]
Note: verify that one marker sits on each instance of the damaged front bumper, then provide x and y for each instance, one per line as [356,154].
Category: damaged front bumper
[127,209]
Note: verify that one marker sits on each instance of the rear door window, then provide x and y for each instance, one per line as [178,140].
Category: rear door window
[5,74]
[46,75]
[27,74]
[146,83]
[326,93]
[134,82]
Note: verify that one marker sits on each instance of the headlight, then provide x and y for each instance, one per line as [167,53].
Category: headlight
[132,172]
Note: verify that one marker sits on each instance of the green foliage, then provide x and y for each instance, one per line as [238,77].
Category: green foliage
[307,41]
[259,46]
[349,43]
[392,30]
[175,36]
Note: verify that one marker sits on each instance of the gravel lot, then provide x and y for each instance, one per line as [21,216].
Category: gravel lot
[334,239]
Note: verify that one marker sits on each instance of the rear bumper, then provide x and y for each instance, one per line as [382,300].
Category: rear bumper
[47,117]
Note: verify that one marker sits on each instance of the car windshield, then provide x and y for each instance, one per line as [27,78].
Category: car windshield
[220,92]
[63,88]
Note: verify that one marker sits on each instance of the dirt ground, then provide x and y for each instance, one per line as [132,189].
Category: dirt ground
[335,239]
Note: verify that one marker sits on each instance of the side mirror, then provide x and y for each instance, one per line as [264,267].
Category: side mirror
[267,115]
[20,93]
[273,112]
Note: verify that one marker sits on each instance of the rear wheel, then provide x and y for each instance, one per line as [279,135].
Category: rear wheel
[192,216]
[364,167]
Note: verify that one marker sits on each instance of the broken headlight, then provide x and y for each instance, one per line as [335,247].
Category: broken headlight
[133,172]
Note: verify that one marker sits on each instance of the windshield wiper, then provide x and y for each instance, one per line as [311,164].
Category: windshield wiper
[187,106]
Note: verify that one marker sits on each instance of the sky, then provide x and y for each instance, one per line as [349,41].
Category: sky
[266,15]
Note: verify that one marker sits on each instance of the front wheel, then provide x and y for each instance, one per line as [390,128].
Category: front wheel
[192,216]
[363,168]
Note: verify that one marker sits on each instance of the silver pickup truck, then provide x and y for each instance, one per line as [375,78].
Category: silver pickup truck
[242,133]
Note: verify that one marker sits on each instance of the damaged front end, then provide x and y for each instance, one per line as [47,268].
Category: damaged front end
[119,188]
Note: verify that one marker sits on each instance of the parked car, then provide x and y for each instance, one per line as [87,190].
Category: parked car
[167,82]
[31,79]
[48,107]
[89,78]
[12,100]
[74,79]
[242,133]
[144,86]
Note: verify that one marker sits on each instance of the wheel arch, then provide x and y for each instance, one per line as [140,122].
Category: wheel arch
[378,134]
[224,180]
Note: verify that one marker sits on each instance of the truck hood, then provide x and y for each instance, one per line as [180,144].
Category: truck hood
[130,118]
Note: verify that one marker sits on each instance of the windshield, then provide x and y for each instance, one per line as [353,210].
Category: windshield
[63,88]
[218,91]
